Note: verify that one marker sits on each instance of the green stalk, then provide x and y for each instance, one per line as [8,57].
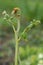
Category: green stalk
[16,48]
[16,42]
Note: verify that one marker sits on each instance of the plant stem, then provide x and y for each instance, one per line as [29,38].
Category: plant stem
[16,42]
[16,48]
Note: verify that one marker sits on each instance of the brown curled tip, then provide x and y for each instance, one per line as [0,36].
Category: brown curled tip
[16,10]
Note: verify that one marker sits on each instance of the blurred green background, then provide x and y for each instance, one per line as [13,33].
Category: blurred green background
[30,9]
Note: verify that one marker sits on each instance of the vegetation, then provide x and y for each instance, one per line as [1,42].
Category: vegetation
[21,38]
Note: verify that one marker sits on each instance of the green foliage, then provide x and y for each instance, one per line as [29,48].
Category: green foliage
[29,55]
[31,10]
